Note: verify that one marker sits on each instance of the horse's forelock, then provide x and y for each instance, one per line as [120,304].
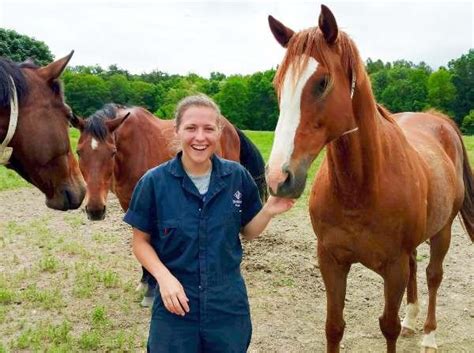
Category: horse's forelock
[310,43]
[10,69]
[95,124]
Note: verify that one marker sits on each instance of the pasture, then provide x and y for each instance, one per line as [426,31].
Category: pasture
[68,284]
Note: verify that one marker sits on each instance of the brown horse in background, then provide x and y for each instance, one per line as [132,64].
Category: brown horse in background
[387,184]
[119,144]
[40,148]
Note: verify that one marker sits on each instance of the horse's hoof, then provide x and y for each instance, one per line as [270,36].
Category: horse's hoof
[428,350]
[407,332]
[147,302]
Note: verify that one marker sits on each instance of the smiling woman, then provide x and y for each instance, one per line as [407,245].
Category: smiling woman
[186,216]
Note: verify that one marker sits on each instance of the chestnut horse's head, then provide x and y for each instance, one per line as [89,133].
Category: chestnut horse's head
[40,143]
[315,83]
[96,150]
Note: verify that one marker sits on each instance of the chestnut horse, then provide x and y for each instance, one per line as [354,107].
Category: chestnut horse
[34,138]
[387,184]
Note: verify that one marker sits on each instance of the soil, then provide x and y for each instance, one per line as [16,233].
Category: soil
[287,296]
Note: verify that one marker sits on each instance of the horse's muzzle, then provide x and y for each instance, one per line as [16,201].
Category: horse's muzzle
[293,186]
[96,214]
[67,199]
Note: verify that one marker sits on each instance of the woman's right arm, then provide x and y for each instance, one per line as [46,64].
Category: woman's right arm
[171,291]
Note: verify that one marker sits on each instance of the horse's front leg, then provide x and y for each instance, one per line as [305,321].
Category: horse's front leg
[335,279]
[395,278]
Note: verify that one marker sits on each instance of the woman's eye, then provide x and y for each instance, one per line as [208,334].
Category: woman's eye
[321,86]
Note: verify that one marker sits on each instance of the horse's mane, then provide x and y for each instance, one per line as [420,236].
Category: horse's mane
[95,124]
[311,42]
[11,69]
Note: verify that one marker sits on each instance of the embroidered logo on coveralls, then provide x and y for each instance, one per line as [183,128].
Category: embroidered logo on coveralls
[237,200]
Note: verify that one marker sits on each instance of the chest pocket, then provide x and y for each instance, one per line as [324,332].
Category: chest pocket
[170,242]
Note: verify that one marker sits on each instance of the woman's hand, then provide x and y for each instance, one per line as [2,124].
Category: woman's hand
[173,296]
[276,205]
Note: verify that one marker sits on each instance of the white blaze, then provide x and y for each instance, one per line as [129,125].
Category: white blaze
[288,121]
[94,144]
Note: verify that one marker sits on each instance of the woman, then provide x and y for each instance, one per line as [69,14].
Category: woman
[186,216]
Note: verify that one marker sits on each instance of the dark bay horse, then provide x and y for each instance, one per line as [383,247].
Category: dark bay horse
[34,131]
[387,184]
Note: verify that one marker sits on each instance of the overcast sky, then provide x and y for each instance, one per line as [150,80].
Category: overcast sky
[233,36]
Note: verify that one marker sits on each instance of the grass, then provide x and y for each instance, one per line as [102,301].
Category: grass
[62,291]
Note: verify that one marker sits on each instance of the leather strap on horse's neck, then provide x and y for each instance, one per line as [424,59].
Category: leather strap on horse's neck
[5,151]
[353,84]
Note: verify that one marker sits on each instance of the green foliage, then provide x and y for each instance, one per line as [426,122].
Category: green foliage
[441,91]
[233,99]
[462,71]
[468,123]
[85,93]
[19,47]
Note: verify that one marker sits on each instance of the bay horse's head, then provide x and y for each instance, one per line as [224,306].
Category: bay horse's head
[41,150]
[315,83]
[96,149]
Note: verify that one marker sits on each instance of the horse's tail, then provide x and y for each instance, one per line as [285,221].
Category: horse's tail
[252,160]
[467,209]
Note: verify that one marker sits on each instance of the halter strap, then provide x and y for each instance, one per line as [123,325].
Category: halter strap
[5,151]
[353,83]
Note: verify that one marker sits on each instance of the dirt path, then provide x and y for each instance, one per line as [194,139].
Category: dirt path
[285,287]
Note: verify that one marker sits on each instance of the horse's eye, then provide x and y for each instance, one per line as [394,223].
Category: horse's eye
[320,86]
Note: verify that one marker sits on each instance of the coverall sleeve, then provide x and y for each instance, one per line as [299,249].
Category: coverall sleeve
[251,198]
[141,213]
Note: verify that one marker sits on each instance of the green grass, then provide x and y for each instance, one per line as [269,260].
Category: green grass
[263,139]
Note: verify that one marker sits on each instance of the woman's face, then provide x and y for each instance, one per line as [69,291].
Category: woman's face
[198,133]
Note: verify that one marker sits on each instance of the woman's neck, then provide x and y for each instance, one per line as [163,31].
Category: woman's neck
[196,169]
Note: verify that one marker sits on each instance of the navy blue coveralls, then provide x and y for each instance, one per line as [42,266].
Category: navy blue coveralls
[197,239]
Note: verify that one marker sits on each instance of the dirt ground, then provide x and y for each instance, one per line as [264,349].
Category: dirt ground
[287,296]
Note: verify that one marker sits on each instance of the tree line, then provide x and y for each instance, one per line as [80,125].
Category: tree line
[249,101]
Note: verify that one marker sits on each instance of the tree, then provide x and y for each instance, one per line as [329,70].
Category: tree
[19,47]
[262,102]
[233,100]
[468,123]
[441,91]
[85,93]
[462,70]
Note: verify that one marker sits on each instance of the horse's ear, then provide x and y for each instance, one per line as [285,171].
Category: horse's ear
[281,33]
[77,122]
[328,25]
[112,125]
[52,71]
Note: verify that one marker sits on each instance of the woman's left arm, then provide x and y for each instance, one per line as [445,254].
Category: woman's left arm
[273,207]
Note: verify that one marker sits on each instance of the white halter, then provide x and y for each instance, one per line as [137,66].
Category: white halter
[5,151]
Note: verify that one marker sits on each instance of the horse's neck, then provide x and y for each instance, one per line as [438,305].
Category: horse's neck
[355,159]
